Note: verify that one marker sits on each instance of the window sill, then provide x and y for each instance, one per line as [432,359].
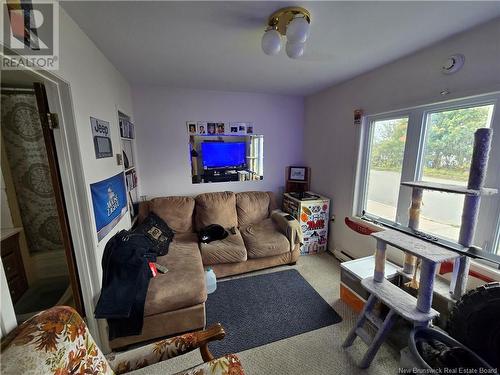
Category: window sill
[485,269]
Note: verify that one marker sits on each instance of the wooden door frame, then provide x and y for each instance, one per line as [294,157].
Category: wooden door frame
[55,176]
[74,187]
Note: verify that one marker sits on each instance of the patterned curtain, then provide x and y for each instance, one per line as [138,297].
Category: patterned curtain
[27,158]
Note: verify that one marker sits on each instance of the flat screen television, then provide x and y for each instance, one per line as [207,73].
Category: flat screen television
[223,154]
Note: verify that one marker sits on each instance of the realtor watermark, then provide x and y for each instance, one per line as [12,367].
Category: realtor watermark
[30,34]
[480,370]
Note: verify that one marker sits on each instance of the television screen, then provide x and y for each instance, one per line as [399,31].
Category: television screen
[223,154]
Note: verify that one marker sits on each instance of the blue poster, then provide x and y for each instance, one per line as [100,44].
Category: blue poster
[109,199]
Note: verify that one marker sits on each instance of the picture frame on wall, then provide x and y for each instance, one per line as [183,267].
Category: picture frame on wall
[201,128]
[102,138]
[211,128]
[298,174]
[191,127]
[221,128]
[238,128]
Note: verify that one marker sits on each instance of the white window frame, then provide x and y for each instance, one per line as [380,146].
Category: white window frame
[496,241]
[488,228]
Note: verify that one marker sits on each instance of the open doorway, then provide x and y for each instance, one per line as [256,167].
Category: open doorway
[36,248]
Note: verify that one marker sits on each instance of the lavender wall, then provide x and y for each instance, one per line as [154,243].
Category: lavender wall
[161,113]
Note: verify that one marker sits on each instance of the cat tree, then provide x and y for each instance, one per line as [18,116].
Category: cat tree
[419,310]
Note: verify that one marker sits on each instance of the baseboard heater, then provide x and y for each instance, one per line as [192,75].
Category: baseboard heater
[342,255]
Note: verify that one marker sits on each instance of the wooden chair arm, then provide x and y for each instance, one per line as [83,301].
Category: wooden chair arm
[212,333]
[162,350]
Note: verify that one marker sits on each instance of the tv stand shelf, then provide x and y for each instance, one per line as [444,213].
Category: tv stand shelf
[220,177]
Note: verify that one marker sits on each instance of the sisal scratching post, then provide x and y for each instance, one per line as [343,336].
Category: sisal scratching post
[477,175]
[425,291]
[413,223]
[379,273]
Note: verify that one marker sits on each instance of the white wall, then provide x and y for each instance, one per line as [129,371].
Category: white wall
[97,90]
[7,315]
[331,139]
[162,141]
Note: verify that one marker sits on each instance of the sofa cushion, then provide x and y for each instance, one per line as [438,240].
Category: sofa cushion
[177,212]
[184,283]
[216,208]
[264,239]
[229,250]
[252,207]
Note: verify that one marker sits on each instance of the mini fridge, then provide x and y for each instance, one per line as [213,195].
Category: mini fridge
[313,212]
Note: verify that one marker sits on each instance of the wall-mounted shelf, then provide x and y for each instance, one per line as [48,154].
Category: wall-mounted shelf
[128,149]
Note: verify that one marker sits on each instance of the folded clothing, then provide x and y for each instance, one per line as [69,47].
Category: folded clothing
[126,265]
[158,232]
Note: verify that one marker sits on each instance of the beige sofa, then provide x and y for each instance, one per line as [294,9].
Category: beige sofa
[175,301]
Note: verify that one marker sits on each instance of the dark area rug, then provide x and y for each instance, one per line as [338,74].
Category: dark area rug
[260,309]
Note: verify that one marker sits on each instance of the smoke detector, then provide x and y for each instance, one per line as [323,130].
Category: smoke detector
[453,64]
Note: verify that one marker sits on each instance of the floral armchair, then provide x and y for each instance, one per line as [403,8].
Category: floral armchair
[57,341]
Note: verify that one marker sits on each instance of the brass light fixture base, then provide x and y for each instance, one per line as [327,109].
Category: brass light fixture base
[282,17]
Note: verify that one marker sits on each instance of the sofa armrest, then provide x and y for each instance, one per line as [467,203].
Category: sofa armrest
[165,349]
[290,228]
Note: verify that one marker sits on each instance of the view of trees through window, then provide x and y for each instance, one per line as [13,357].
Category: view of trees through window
[446,157]
[449,142]
[386,163]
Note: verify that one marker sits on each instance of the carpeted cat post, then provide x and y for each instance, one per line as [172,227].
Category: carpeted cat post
[477,175]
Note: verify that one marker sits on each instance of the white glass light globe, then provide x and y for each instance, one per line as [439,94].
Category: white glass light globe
[294,50]
[297,30]
[271,42]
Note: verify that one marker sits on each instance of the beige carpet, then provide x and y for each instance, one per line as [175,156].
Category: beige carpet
[317,352]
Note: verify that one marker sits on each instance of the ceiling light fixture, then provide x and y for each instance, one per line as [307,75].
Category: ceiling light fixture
[291,22]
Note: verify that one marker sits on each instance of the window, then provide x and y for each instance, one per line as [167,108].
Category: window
[446,159]
[430,143]
[385,165]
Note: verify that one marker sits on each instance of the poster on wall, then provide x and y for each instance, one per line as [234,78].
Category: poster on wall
[109,200]
[102,138]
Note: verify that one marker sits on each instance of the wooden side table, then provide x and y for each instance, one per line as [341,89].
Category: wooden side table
[13,263]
